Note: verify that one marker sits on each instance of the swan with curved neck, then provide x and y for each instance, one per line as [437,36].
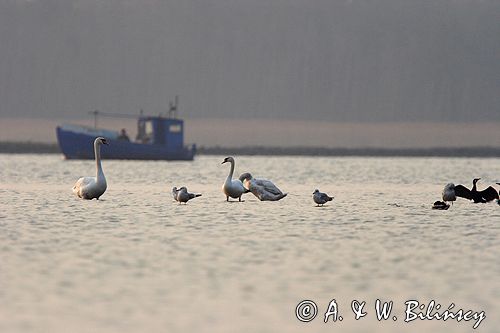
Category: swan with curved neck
[93,187]
[232,187]
[263,189]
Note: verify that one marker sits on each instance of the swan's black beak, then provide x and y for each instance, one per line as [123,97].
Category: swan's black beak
[224,161]
[105,142]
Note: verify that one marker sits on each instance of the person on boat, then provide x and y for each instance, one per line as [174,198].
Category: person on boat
[123,135]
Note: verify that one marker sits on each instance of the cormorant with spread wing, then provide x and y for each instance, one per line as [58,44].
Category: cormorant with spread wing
[483,196]
[498,201]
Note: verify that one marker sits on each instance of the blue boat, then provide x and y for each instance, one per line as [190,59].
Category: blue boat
[158,138]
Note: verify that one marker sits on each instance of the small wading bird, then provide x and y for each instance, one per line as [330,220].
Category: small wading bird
[321,198]
[93,187]
[232,187]
[263,189]
[451,191]
[182,194]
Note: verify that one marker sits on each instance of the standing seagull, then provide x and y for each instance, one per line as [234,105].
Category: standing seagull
[182,195]
[174,192]
[449,193]
[93,187]
[477,196]
[321,198]
[232,187]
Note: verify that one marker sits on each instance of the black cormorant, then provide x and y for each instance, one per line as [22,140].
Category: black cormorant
[483,196]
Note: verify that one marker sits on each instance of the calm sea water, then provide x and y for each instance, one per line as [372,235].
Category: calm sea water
[135,261]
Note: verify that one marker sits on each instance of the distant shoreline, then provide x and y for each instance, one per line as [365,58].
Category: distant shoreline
[53,148]
[362,152]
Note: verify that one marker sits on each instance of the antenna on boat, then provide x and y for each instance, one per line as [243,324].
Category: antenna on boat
[172,110]
[95,113]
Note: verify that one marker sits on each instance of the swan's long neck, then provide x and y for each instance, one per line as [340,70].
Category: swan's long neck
[474,188]
[231,171]
[97,152]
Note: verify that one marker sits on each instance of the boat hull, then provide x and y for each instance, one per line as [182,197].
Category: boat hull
[80,145]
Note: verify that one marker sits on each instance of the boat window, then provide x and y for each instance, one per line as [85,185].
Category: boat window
[175,128]
[149,129]
[144,131]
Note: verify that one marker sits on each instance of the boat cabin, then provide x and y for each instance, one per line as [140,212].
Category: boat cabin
[168,132]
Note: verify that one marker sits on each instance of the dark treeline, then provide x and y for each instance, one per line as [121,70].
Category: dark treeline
[381,152]
[29,148]
[52,148]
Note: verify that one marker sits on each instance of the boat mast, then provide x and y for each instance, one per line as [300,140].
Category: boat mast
[172,110]
[95,113]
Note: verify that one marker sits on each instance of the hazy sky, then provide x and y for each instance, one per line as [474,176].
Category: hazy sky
[356,61]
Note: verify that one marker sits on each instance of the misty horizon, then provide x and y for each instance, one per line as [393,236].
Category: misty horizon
[317,62]
[283,133]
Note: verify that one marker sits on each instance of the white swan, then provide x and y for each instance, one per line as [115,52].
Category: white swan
[93,187]
[263,189]
[232,187]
